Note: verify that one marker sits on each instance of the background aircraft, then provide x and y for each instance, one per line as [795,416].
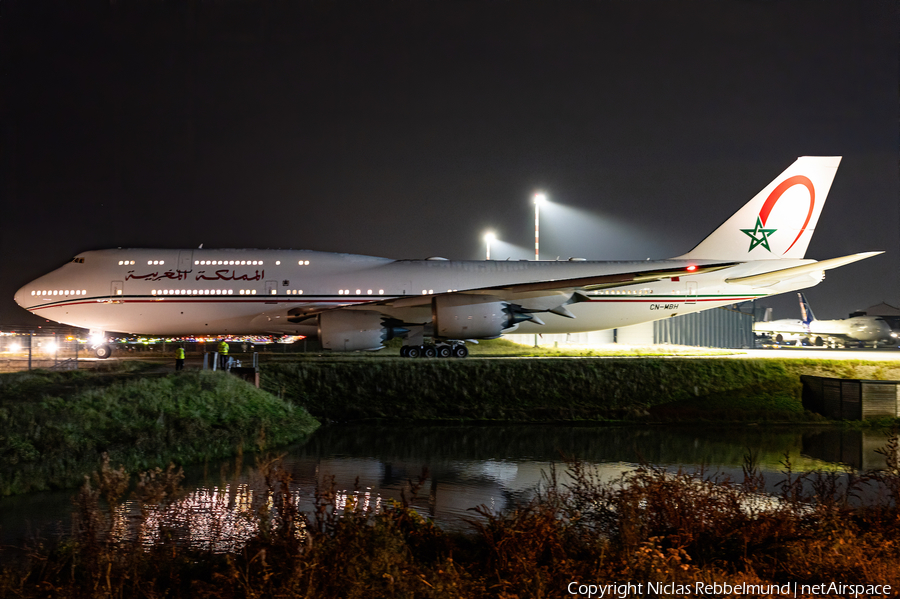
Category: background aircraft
[857,330]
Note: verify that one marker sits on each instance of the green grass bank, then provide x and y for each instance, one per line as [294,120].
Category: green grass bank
[54,426]
[646,389]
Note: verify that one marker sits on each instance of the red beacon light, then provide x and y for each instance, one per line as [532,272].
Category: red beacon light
[692,268]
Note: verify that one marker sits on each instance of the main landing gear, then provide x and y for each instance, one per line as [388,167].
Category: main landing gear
[440,350]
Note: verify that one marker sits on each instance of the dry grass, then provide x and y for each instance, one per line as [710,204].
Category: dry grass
[653,525]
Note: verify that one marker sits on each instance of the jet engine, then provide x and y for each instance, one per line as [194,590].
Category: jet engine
[351,330]
[462,316]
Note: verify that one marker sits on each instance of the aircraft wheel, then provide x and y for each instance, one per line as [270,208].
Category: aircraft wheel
[429,351]
[779,338]
[819,342]
[103,351]
[404,351]
[444,351]
[413,351]
[460,351]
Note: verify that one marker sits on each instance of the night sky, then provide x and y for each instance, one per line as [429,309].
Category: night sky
[406,129]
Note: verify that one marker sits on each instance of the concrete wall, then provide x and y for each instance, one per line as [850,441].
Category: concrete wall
[851,399]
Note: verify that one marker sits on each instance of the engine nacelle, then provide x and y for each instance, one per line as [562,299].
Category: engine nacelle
[351,330]
[461,316]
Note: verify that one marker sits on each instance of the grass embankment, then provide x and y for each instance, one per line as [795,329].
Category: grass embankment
[55,425]
[647,390]
[679,529]
[537,390]
[503,348]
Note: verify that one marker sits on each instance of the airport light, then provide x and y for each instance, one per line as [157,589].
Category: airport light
[539,198]
[488,238]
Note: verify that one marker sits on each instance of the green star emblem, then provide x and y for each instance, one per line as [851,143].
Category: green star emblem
[758,235]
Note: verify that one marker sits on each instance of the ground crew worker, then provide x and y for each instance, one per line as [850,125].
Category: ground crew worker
[179,359]
[223,353]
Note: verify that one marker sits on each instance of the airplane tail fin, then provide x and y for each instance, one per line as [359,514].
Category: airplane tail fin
[779,221]
[806,313]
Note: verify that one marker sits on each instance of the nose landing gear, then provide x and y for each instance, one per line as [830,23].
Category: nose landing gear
[98,344]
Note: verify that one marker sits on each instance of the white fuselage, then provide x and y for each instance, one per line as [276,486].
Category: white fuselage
[248,291]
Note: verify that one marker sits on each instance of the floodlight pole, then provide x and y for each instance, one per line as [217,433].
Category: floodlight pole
[538,200]
[488,238]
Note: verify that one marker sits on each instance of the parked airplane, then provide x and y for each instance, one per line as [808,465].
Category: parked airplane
[857,330]
[354,302]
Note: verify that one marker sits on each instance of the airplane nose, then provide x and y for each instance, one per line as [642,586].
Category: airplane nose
[26,297]
[21,295]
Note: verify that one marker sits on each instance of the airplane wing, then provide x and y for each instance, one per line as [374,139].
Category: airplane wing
[776,276]
[563,288]
[607,281]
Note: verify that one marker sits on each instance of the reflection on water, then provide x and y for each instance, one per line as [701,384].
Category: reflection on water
[455,467]
[214,519]
[856,449]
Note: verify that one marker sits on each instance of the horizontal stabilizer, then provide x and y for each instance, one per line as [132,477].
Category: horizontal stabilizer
[776,276]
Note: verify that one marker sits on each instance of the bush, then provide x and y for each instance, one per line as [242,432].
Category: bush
[56,425]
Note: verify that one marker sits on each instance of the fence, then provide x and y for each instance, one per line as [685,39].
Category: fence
[28,352]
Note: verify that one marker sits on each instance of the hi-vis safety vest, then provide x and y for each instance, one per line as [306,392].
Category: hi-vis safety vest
[223,348]
[179,353]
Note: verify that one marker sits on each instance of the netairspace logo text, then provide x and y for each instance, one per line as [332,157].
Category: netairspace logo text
[622,590]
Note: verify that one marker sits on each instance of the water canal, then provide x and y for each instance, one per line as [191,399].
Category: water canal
[463,466]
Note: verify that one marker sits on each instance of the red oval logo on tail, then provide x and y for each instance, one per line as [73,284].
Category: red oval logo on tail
[776,195]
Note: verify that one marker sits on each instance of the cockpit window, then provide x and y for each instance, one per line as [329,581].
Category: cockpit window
[78,260]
